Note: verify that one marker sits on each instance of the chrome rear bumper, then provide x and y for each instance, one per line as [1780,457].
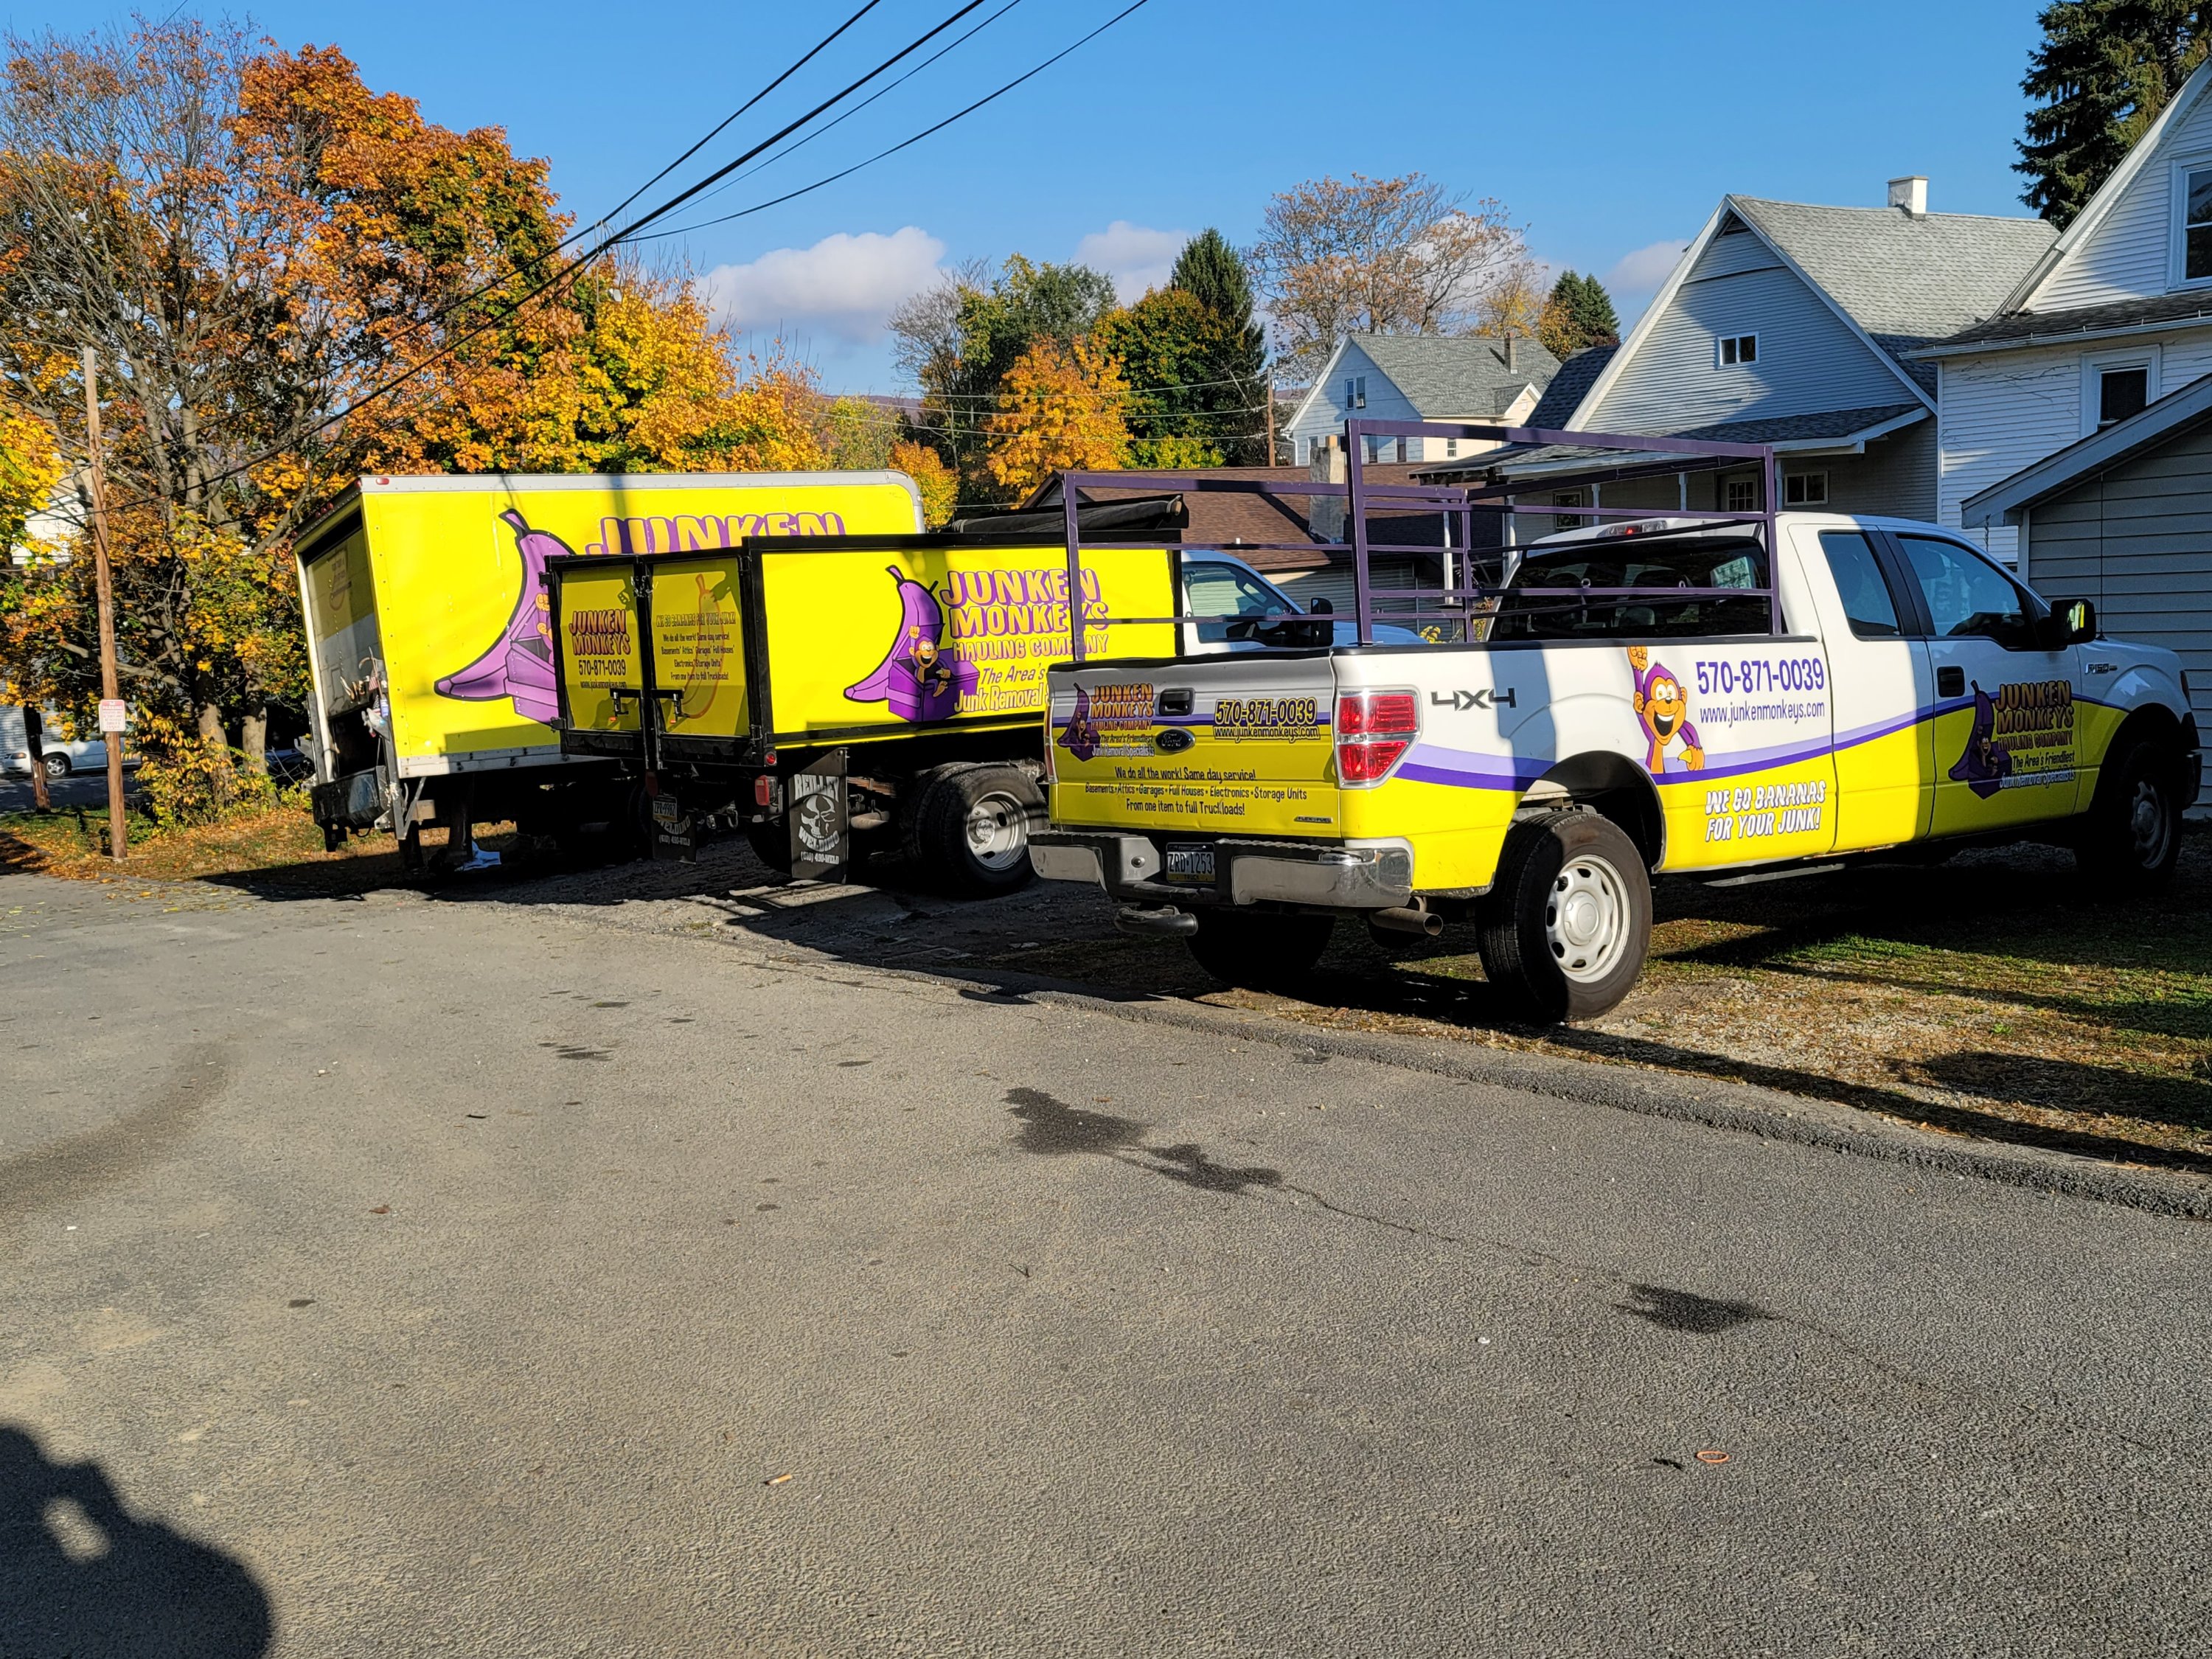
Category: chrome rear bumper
[1325,877]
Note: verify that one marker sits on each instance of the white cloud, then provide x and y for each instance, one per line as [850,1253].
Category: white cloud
[1636,276]
[1136,258]
[844,285]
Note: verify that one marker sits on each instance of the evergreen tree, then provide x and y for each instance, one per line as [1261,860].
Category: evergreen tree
[1226,372]
[1578,315]
[2103,71]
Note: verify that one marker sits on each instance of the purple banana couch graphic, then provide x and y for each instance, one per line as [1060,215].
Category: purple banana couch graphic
[520,662]
[918,678]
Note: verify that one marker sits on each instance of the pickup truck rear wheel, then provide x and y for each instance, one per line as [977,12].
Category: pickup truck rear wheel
[2132,835]
[972,826]
[1260,950]
[770,839]
[1563,930]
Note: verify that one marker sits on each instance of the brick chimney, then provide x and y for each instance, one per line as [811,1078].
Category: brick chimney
[1909,193]
[1325,513]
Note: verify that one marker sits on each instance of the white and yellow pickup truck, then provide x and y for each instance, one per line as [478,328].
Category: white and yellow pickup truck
[1628,708]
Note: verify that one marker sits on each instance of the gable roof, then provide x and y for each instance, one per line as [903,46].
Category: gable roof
[2099,206]
[1905,280]
[2101,452]
[1444,376]
[1555,409]
[1896,279]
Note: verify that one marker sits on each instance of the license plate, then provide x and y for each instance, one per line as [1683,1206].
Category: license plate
[1189,864]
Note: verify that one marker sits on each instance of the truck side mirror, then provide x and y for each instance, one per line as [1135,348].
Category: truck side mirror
[2072,622]
[1321,607]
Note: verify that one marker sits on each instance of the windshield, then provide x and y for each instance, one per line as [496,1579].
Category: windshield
[1711,572]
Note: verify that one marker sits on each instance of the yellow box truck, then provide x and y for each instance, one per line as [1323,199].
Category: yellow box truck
[430,631]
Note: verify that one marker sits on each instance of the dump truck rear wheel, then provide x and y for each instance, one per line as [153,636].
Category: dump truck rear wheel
[1259,949]
[771,843]
[1563,930]
[972,825]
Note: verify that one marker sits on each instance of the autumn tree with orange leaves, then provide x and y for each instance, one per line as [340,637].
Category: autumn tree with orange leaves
[291,280]
[1062,406]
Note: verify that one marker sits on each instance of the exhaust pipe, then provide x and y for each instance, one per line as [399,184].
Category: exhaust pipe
[1155,922]
[1406,919]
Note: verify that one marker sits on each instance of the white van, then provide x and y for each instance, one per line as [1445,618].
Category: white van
[63,755]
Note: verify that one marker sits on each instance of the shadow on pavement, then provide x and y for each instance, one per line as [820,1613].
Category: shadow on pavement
[82,1578]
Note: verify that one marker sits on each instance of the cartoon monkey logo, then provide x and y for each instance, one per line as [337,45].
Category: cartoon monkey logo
[1663,708]
[1081,737]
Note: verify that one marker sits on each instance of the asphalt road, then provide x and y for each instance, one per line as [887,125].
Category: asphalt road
[398,1277]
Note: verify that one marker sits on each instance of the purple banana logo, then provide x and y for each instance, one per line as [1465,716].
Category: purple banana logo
[520,662]
[918,679]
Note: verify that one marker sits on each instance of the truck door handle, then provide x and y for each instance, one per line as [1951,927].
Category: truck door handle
[1950,682]
[1176,701]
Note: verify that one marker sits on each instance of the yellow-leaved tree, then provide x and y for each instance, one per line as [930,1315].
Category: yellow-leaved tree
[1062,406]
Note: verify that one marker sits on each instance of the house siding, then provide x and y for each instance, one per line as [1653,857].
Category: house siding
[1808,359]
[2008,410]
[2131,253]
[2137,541]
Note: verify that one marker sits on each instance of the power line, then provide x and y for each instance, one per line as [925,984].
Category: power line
[790,196]
[794,147]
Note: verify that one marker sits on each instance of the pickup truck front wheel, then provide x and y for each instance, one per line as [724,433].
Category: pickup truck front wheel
[2132,836]
[1259,951]
[1563,930]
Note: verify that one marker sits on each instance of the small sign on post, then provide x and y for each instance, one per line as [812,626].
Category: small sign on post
[114,716]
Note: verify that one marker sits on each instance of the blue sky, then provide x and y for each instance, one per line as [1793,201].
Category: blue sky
[1609,130]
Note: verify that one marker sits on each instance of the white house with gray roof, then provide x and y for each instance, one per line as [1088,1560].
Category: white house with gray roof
[1797,325]
[2108,318]
[1421,377]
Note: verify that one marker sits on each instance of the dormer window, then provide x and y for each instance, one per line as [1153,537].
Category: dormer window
[1738,349]
[2192,228]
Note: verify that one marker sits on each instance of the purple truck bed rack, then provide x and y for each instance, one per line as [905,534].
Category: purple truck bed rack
[1457,503]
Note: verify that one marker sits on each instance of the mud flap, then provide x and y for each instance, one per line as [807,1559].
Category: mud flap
[675,833]
[820,820]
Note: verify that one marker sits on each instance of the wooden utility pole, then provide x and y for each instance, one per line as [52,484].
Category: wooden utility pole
[119,829]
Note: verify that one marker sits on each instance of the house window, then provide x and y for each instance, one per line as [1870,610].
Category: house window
[1567,520]
[1355,392]
[1742,495]
[1736,349]
[1805,489]
[2116,386]
[2196,224]
[1451,449]
[2121,392]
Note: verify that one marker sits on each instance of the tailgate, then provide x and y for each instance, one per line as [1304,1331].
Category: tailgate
[1220,747]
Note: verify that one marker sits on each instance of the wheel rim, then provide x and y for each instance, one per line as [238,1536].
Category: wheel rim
[998,831]
[1586,919]
[56,769]
[2149,827]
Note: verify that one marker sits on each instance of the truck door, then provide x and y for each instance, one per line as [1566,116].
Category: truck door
[1877,678]
[2001,715]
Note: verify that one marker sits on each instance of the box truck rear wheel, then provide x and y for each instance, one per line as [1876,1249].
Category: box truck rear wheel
[1259,949]
[972,825]
[1563,930]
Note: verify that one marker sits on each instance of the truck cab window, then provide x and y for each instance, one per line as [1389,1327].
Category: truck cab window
[1967,597]
[1542,602]
[1869,605]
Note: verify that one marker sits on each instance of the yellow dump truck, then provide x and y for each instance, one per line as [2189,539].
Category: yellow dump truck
[826,694]
[430,640]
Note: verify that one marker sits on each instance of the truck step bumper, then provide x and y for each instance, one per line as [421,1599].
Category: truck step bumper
[1245,872]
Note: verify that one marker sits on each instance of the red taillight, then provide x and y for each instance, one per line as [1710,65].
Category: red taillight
[1374,729]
